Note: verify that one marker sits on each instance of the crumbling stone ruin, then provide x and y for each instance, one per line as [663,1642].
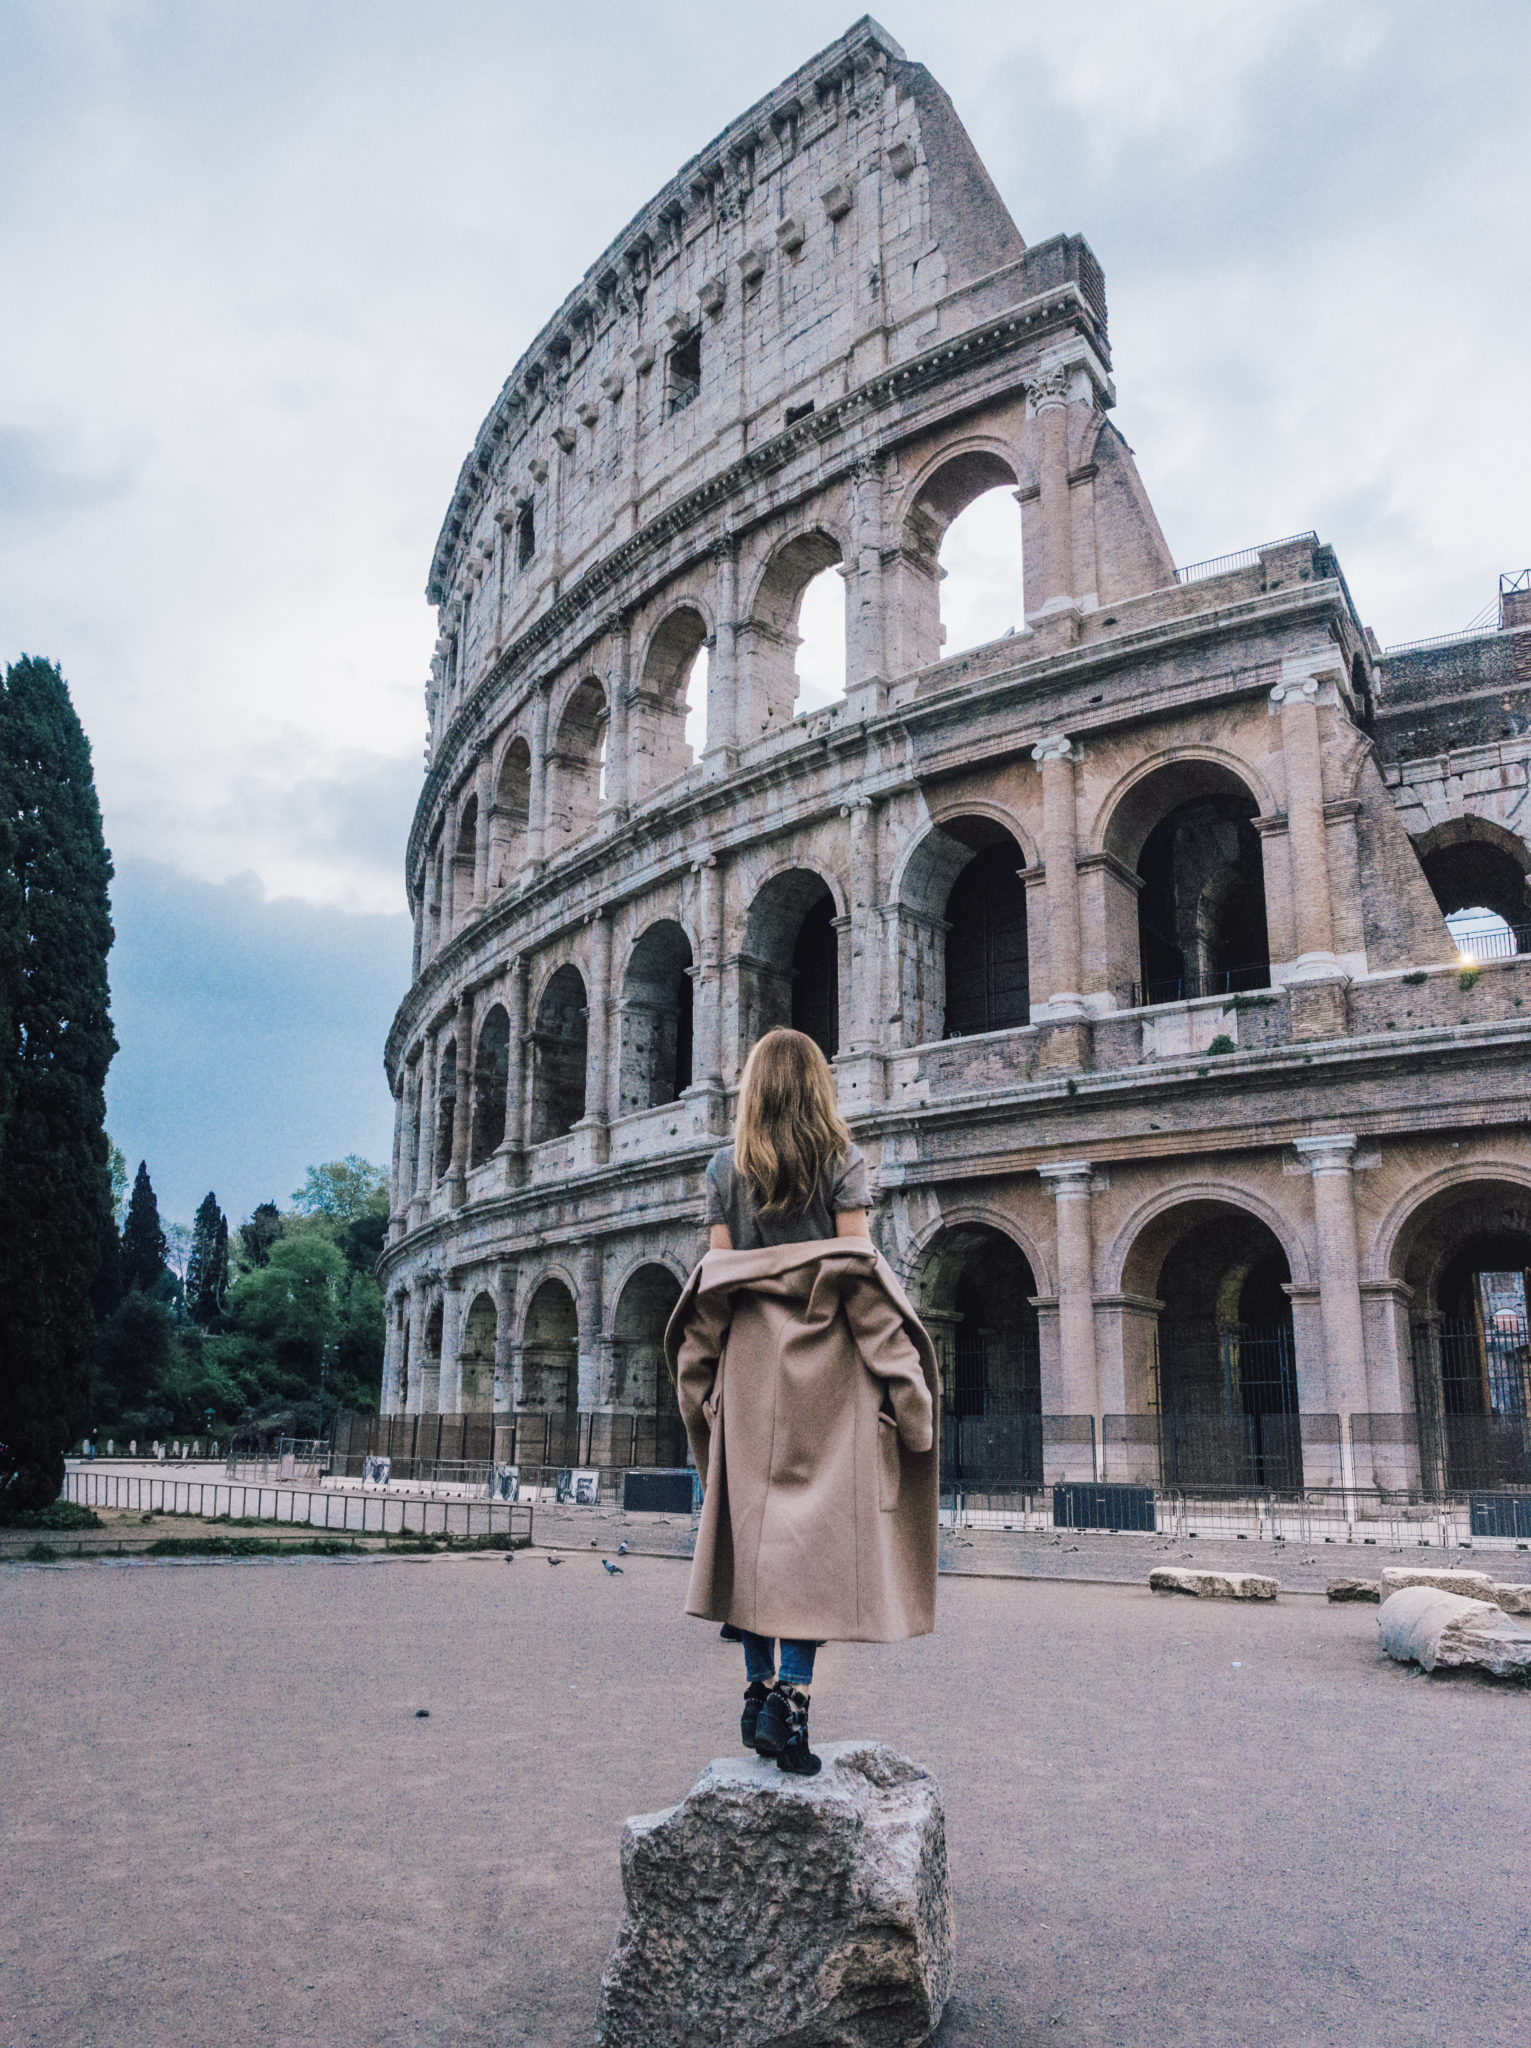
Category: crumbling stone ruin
[1197,1141]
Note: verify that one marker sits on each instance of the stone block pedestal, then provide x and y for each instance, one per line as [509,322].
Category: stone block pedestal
[772,1909]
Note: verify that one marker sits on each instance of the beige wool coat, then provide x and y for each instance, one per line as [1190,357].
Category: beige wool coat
[810,1394]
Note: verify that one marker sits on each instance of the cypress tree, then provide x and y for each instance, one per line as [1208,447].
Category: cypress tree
[207,1269]
[55,1187]
[143,1241]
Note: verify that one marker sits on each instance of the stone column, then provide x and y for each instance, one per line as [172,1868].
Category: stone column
[397,1194]
[1055,757]
[462,1107]
[865,821]
[866,660]
[419,1299]
[537,804]
[425,1134]
[430,919]
[417,949]
[589,1327]
[1052,563]
[723,664]
[388,1397]
[621,631]
[597,1053]
[517,1093]
[1339,1277]
[450,907]
[1297,703]
[449,1396]
[707,987]
[504,1397]
[484,793]
[1079,1372]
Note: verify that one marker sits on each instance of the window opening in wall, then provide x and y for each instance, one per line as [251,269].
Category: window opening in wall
[987,964]
[981,594]
[526,537]
[1227,1380]
[696,703]
[560,1044]
[794,413]
[821,643]
[656,1019]
[1469,1274]
[641,1381]
[490,1084]
[1481,889]
[816,977]
[976,1291]
[1201,910]
[683,380]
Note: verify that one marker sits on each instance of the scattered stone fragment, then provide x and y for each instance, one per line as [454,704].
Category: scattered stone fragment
[1354,1589]
[768,1909]
[1514,1599]
[1471,1585]
[1422,1625]
[1205,1585]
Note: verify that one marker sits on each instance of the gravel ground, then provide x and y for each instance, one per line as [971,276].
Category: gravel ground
[1169,1821]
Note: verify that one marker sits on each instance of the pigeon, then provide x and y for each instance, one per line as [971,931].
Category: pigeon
[621,1550]
[555,1560]
[614,1569]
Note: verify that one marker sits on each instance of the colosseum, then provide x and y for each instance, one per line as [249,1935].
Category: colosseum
[1197,1132]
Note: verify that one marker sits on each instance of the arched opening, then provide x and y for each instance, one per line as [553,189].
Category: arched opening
[512,811]
[430,1363]
[641,1382]
[550,1352]
[1477,872]
[981,592]
[962,554]
[791,649]
[975,1290]
[655,1059]
[478,1356]
[664,724]
[560,1044]
[491,1079]
[964,963]
[1466,1256]
[1223,1373]
[1187,832]
[446,1107]
[789,969]
[575,763]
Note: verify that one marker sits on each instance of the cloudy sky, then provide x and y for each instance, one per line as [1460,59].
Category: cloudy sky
[267,262]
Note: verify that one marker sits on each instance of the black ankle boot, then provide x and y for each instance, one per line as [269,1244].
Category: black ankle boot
[756,1693]
[782,1732]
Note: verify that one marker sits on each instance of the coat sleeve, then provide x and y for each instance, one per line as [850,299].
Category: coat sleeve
[696,1369]
[888,1353]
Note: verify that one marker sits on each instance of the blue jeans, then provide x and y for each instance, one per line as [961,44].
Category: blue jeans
[760,1660]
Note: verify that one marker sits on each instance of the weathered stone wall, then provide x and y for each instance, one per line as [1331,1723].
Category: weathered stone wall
[604,924]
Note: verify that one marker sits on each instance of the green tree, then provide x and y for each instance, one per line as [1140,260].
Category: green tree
[56,1044]
[257,1235]
[207,1268]
[343,1190]
[134,1354]
[143,1241]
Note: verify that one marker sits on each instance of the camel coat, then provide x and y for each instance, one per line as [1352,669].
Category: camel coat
[810,1394]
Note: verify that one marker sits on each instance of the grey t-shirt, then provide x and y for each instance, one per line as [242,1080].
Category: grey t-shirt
[842,1186]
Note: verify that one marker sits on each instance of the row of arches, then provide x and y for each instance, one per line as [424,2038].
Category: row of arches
[788,656]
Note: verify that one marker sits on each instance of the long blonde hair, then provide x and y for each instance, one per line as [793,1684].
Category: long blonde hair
[790,1127]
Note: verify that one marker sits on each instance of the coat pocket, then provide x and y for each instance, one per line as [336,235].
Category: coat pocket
[887,1462]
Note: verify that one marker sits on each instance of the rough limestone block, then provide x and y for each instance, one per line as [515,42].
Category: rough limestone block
[1213,1585]
[1514,1599]
[1354,1589]
[1471,1585]
[772,1909]
[1422,1625]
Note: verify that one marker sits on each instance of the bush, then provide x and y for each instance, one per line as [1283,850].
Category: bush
[1468,977]
[58,1514]
[1222,1043]
[1417,979]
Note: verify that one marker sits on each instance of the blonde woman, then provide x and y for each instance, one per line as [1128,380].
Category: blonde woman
[810,1394]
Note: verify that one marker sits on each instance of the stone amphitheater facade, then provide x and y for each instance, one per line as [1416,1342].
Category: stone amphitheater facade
[1125,932]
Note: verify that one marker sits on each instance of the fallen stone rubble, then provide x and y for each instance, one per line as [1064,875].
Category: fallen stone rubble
[1439,1630]
[1208,1585]
[767,1909]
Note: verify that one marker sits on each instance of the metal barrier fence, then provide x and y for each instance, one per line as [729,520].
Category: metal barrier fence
[421,1446]
[343,1511]
[1313,1515]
